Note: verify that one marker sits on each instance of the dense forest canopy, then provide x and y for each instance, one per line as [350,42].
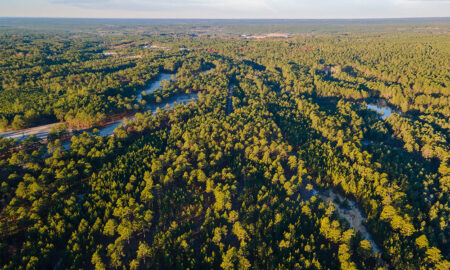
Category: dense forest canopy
[280,161]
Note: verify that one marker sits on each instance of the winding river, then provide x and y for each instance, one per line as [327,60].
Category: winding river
[41,132]
[168,103]
[156,84]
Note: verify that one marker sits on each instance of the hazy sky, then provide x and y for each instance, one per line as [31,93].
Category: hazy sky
[301,9]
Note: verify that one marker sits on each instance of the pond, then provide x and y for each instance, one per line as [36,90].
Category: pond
[382,108]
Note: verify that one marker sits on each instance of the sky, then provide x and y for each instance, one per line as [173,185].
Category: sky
[226,9]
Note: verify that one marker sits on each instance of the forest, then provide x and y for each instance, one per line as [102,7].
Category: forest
[306,151]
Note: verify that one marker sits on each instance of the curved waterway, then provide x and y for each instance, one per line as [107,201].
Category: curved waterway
[168,103]
[352,214]
[41,132]
[156,84]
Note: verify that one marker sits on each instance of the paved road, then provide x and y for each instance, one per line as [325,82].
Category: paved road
[40,132]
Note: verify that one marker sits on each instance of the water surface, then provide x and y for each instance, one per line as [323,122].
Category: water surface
[352,214]
[382,108]
[168,103]
[156,84]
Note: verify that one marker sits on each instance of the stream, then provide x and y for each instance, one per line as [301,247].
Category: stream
[352,214]
[168,103]
[42,132]
[156,84]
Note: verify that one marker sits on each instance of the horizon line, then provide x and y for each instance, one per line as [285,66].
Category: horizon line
[197,18]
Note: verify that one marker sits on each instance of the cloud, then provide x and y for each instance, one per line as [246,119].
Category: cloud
[117,4]
[227,8]
[180,8]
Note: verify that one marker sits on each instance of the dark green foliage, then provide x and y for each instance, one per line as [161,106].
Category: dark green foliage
[206,185]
